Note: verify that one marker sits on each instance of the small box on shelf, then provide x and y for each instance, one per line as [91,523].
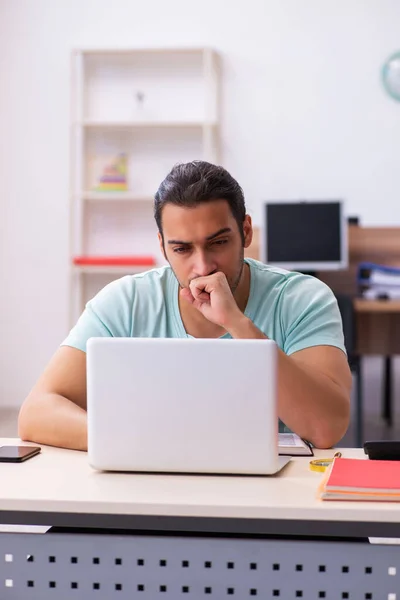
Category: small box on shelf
[114,176]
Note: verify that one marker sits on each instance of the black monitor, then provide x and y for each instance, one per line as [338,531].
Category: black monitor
[305,236]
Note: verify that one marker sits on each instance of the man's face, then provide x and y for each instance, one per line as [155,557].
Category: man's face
[203,240]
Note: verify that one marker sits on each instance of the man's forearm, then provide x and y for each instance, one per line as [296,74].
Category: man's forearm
[309,402]
[53,420]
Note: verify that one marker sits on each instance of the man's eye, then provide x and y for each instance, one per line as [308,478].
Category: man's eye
[220,242]
[180,250]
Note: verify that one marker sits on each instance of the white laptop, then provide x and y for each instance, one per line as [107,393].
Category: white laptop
[183,405]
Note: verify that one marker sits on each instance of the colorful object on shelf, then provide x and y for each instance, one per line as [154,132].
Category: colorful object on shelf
[115,261]
[114,177]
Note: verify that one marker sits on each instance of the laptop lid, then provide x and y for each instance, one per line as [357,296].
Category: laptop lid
[182,405]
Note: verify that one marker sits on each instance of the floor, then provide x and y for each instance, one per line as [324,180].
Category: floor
[8,422]
[375,428]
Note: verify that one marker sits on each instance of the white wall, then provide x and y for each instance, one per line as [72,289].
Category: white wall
[304,115]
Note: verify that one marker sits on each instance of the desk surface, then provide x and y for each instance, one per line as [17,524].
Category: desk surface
[363,305]
[59,487]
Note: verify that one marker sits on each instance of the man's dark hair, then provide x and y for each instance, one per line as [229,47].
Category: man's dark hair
[189,184]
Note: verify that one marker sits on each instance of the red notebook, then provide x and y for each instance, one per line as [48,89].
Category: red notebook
[361,479]
[117,261]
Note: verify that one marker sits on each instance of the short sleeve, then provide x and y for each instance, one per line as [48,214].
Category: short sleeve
[310,315]
[106,315]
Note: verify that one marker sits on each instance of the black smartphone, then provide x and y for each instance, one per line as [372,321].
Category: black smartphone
[18,453]
[382,450]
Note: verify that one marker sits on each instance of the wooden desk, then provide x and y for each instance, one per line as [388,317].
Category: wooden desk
[377,306]
[378,326]
[187,534]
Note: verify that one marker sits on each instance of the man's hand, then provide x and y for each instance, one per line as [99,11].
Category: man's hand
[212,296]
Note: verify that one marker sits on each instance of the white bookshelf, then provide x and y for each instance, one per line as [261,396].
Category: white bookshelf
[156,106]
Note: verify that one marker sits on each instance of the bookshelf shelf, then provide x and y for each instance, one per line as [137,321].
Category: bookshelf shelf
[111,269]
[143,124]
[115,197]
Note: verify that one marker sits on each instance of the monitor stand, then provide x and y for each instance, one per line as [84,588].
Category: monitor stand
[312,273]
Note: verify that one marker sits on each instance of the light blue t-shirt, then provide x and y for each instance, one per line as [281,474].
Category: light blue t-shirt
[296,311]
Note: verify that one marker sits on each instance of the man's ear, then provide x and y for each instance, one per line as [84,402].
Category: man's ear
[247,231]
[161,242]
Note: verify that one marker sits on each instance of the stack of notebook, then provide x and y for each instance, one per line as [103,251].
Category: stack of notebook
[378,281]
[361,479]
[290,444]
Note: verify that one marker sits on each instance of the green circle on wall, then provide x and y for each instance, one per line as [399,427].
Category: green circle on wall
[391,76]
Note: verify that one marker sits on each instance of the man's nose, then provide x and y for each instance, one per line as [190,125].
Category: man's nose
[203,265]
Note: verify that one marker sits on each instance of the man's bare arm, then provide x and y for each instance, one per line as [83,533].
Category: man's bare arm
[314,394]
[54,413]
[314,387]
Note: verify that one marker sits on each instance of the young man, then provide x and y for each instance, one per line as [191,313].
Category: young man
[208,290]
